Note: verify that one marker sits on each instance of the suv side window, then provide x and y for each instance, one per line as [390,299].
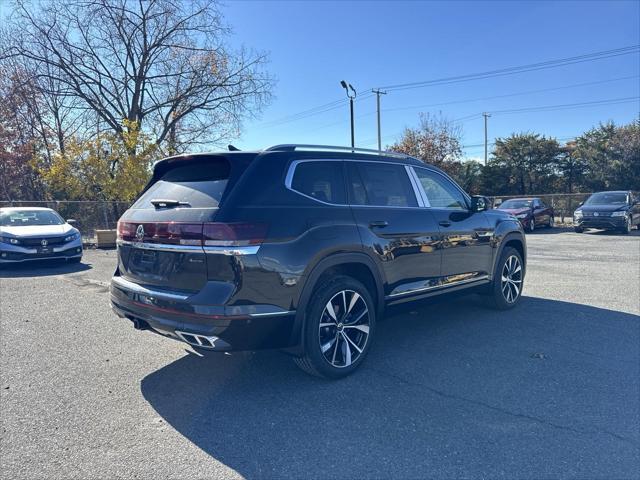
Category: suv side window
[440,192]
[320,180]
[380,184]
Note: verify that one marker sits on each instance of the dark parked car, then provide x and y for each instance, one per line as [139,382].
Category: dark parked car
[532,212]
[617,210]
[300,248]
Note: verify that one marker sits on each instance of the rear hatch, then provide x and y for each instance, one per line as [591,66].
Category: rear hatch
[162,236]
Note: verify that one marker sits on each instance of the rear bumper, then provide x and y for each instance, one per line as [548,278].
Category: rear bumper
[212,327]
[16,254]
[605,223]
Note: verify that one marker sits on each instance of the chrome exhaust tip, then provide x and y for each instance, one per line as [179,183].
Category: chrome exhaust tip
[201,341]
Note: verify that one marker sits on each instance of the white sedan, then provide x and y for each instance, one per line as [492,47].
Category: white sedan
[29,233]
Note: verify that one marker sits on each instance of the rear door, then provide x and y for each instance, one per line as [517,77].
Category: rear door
[401,235]
[160,238]
[540,212]
[466,235]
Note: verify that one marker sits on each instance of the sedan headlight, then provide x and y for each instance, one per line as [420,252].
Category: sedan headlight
[522,215]
[11,240]
[73,236]
[577,214]
[619,214]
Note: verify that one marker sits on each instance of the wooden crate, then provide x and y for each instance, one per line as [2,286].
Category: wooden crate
[106,238]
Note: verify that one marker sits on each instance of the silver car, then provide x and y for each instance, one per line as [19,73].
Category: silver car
[29,233]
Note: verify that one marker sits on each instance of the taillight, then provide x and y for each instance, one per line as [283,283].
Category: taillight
[198,234]
[126,230]
[234,234]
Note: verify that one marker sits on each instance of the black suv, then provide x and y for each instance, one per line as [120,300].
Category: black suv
[301,247]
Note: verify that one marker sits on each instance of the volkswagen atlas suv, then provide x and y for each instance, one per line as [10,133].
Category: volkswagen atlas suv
[301,248]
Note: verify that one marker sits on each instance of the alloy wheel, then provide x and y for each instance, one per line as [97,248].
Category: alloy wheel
[532,225]
[511,279]
[344,328]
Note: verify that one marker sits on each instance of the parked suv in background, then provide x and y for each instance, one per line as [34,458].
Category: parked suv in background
[532,212]
[617,210]
[300,248]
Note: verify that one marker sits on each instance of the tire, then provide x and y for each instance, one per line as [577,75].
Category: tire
[336,347]
[627,226]
[578,229]
[503,297]
[552,222]
[532,224]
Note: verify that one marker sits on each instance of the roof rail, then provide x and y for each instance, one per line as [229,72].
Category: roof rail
[331,148]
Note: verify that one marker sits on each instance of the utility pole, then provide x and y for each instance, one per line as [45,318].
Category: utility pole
[486,116]
[378,93]
[347,86]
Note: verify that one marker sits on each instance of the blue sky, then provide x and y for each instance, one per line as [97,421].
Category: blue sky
[314,45]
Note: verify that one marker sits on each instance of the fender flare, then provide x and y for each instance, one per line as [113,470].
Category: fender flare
[311,280]
[512,235]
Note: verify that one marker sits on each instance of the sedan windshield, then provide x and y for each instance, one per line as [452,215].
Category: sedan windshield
[24,218]
[515,204]
[606,198]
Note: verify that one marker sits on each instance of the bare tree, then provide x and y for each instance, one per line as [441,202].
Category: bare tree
[163,64]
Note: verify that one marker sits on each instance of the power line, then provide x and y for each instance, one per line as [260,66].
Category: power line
[589,57]
[327,107]
[541,108]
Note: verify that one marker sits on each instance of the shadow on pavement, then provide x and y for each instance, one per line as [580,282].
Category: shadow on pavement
[449,390]
[41,269]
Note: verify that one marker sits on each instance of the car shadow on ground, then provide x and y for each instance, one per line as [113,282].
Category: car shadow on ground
[565,229]
[41,269]
[450,389]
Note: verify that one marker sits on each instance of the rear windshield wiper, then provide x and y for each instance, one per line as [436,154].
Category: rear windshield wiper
[168,203]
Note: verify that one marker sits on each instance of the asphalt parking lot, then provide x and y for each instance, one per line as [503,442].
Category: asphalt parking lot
[452,389]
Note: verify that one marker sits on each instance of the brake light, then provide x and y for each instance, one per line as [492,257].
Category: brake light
[126,230]
[198,234]
[234,234]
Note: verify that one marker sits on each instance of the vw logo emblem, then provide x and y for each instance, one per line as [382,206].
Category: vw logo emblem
[596,214]
[44,242]
[140,233]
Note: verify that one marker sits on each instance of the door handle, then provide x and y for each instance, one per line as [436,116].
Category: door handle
[378,224]
[444,223]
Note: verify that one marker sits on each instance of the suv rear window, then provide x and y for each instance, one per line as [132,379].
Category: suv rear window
[380,184]
[200,185]
[321,180]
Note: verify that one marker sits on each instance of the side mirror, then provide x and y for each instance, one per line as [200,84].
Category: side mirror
[71,221]
[580,204]
[479,203]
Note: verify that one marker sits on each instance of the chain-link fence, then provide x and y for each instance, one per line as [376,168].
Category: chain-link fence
[98,215]
[564,204]
[89,216]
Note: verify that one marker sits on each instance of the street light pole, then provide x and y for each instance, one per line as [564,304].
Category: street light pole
[378,93]
[351,96]
[485,115]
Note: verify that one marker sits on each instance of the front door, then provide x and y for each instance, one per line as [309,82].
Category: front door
[400,235]
[465,235]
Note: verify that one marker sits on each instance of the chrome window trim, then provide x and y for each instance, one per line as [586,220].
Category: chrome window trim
[291,171]
[423,201]
[134,287]
[465,195]
[437,287]
[292,167]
